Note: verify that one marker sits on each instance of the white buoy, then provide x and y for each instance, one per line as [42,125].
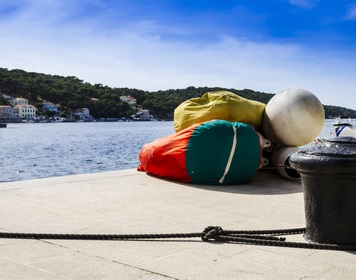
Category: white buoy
[293,117]
[280,160]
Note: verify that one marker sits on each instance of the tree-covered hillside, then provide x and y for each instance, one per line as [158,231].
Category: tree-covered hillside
[70,93]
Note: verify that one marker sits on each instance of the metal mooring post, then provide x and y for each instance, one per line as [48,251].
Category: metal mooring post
[328,173]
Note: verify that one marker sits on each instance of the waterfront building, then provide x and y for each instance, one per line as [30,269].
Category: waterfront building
[7,112]
[26,111]
[18,101]
[83,114]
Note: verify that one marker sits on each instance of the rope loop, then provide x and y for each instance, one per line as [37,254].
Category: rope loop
[212,232]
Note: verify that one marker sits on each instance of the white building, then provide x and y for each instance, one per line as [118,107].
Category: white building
[83,114]
[26,111]
[7,112]
[128,99]
[18,101]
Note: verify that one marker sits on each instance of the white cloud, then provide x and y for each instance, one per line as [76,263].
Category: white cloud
[351,12]
[303,3]
[130,59]
[135,55]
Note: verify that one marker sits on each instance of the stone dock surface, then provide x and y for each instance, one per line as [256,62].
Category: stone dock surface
[131,202]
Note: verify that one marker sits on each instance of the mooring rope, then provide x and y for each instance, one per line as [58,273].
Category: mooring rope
[209,234]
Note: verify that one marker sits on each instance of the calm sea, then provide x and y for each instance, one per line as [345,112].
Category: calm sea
[42,150]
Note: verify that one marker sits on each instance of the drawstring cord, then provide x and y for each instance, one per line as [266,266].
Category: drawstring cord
[232,152]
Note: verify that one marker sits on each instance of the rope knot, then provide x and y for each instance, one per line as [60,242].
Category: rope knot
[212,232]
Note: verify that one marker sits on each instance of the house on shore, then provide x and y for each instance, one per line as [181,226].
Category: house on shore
[19,109]
[83,114]
[7,112]
[18,101]
[49,107]
[128,99]
[26,111]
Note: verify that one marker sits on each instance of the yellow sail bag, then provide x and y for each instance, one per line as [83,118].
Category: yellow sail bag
[218,105]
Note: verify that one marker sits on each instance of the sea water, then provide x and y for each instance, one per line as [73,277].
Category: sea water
[42,150]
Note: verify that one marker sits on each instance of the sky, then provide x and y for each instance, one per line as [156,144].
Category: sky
[263,45]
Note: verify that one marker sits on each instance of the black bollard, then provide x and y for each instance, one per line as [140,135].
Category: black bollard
[328,174]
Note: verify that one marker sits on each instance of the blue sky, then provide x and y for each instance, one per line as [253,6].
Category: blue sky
[264,45]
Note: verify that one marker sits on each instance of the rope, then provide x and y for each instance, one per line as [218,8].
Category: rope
[209,234]
[232,152]
[95,236]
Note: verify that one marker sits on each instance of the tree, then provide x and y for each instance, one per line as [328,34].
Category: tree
[70,93]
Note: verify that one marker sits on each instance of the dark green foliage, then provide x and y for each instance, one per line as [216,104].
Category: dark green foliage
[3,101]
[70,93]
[336,111]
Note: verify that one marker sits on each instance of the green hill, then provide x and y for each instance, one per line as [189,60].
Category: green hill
[70,93]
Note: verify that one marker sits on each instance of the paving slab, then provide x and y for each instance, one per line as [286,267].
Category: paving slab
[131,202]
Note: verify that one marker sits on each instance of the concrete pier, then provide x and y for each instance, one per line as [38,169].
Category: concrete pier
[131,202]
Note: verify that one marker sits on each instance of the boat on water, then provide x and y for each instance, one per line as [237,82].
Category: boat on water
[3,125]
[343,127]
[342,122]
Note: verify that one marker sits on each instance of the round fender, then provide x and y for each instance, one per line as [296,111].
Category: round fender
[293,117]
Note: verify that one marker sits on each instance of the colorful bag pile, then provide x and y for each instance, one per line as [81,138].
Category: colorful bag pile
[213,152]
